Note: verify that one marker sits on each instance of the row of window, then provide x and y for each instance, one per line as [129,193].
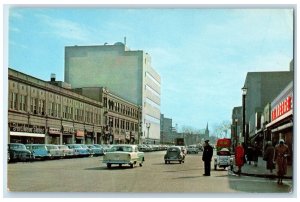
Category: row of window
[122,124]
[38,106]
[120,108]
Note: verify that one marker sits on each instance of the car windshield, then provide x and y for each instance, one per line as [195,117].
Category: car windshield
[51,147]
[121,148]
[63,147]
[74,146]
[84,146]
[38,147]
[173,149]
[17,146]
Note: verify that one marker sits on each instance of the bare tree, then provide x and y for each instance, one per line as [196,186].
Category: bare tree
[221,130]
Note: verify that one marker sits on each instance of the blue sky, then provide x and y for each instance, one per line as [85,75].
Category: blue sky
[202,55]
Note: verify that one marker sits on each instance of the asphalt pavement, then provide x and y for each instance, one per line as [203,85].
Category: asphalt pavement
[261,171]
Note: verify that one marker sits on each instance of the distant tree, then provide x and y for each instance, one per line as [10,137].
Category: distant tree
[222,129]
[187,129]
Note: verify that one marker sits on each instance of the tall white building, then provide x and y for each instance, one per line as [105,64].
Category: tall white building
[126,73]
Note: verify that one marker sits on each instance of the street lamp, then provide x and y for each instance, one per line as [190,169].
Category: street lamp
[244,91]
[148,127]
[236,132]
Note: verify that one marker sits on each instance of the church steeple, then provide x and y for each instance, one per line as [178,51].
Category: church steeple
[206,130]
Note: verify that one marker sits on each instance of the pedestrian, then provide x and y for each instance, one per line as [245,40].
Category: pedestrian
[206,157]
[269,156]
[255,153]
[249,152]
[281,153]
[239,157]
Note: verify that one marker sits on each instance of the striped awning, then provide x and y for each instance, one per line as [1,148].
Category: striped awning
[26,134]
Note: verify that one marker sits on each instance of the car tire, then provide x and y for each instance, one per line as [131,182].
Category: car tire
[179,162]
[231,167]
[131,165]
[108,165]
[166,162]
[215,167]
[141,164]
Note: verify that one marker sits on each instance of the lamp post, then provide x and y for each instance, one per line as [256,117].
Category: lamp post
[244,90]
[236,132]
[148,127]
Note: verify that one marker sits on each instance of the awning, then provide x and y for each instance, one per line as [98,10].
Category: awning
[26,134]
[287,125]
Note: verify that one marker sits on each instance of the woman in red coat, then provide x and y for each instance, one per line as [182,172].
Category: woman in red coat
[239,157]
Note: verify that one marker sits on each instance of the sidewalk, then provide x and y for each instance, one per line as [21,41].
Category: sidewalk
[261,170]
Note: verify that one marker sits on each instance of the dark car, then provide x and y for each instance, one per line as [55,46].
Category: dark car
[174,153]
[18,152]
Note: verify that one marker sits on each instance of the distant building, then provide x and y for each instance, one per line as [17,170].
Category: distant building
[127,74]
[236,126]
[166,132]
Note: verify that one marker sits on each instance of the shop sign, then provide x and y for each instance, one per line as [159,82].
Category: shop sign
[282,108]
[79,133]
[17,127]
[54,131]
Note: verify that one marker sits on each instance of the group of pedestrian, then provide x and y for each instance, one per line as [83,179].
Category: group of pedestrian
[272,155]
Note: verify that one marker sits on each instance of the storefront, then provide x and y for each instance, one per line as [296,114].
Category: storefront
[67,134]
[26,134]
[79,138]
[54,136]
[281,125]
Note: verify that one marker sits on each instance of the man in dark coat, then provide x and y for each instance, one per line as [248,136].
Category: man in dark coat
[206,157]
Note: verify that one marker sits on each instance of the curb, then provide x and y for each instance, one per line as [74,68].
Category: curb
[262,175]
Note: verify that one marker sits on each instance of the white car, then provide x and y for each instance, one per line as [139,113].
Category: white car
[67,152]
[54,151]
[223,159]
[123,154]
[192,149]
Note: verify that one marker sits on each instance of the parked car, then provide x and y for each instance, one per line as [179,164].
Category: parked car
[67,152]
[18,152]
[123,154]
[106,147]
[91,151]
[174,153]
[79,151]
[97,151]
[40,151]
[54,151]
[143,148]
[223,159]
[192,149]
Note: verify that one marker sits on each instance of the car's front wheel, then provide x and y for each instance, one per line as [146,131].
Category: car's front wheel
[108,165]
[131,165]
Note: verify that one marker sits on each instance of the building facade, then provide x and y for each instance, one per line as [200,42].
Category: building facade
[282,119]
[125,73]
[43,112]
[121,118]
[262,87]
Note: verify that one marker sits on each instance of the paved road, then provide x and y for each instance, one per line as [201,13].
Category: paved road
[90,175]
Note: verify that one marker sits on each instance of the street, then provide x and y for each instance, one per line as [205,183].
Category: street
[91,175]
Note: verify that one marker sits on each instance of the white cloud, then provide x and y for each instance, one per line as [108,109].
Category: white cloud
[65,29]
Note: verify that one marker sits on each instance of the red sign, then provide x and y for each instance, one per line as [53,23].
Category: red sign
[282,108]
